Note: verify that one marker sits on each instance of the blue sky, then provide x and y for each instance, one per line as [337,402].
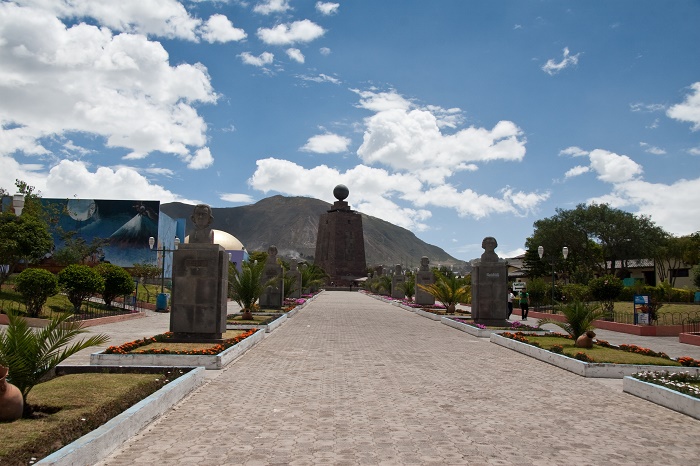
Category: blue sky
[454,119]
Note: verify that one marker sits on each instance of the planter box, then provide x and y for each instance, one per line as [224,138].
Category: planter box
[96,445]
[212,362]
[483,332]
[663,396]
[689,338]
[584,369]
[281,318]
[427,314]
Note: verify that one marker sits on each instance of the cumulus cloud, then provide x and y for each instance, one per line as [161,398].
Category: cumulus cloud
[576,171]
[325,51]
[327,8]
[57,79]
[296,55]
[201,159]
[573,151]
[689,110]
[272,6]
[552,67]
[652,149]
[218,28]
[326,144]
[264,59]
[287,34]
[694,151]
[614,168]
[405,137]
[321,78]
[237,198]
[647,108]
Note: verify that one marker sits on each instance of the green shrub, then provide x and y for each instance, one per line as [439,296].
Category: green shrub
[117,282]
[79,282]
[606,290]
[576,292]
[537,289]
[36,286]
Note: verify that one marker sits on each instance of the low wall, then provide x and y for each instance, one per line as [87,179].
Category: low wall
[689,338]
[33,322]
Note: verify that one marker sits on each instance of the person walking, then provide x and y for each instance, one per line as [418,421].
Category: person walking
[524,299]
[511,297]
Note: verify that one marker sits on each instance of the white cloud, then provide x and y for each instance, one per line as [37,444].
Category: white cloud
[647,108]
[652,149]
[218,28]
[552,67]
[264,59]
[296,55]
[321,78]
[200,160]
[267,7]
[576,171]
[574,151]
[326,144]
[614,168]
[325,51]
[694,151]
[237,198]
[57,79]
[327,8]
[689,110]
[285,34]
[407,138]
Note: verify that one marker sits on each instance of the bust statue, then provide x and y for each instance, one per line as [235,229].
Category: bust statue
[202,219]
[489,244]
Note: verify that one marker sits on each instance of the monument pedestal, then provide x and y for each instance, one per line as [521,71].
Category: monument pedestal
[489,287]
[200,291]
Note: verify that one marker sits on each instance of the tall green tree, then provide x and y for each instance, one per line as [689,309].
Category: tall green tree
[22,239]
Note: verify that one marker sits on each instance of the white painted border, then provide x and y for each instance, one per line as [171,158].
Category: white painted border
[584,369]
[95,445]
[212,362]
[663,396]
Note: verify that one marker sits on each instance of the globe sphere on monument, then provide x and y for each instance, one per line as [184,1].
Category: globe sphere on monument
[341,192]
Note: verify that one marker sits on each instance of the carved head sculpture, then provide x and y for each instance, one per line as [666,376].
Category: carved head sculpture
[424,262]
[202,217]
[489,244]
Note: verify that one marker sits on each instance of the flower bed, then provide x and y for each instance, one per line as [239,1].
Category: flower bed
[677,391]
[211,357]
[267,325]
[482,331]
[581,363]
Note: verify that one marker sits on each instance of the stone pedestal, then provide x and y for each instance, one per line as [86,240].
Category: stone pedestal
[296,274]
[273,296]
[397,281]
[489,287]
[200,290]
[424,277]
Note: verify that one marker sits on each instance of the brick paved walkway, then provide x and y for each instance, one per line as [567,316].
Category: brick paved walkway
[352,381]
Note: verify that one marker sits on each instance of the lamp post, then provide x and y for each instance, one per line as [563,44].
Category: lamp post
[162,300]
[553,261]
[18,203]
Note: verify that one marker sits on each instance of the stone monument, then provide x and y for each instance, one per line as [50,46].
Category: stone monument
[340,243]
[296,280]
[397,281]
[200,284]
[424,277]
[273,296]
[489,286]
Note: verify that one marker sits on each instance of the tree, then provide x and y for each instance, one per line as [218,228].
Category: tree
[312,276]
[606,289]
[79,282]
[76,250]
[117,282]
[672,253]
[450,291]
[144,272]
[22,239]
[31,355]
[246,287]
[579,318]
[696,276]
[408,286]
[537,289]
[36,286]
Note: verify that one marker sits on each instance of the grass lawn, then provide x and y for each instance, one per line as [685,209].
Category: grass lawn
[57,304]
[600,353]
[68,411]
[670,308]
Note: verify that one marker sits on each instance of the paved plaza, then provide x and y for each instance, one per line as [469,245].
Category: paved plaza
[351,380]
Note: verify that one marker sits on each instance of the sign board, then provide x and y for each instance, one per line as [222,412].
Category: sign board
[641,299]
[517,286]
[641,310]
[643,318]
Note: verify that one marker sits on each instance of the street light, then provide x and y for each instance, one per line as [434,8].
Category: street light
[162,301]
[18,203]
[553,261]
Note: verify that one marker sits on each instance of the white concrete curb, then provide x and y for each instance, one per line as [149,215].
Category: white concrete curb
[484,332]
[584,369]
[217,361]
[92,447]
[663,396]
[429,315]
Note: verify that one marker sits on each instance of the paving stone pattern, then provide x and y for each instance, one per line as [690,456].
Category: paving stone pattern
[354,381]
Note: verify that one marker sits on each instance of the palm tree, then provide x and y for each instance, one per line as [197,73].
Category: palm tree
[246,286]
[450,291]
[408,286]
[312,276]
[385,284]
[579,318]
[31,355]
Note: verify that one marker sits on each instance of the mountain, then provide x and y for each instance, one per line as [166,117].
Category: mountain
[291,224]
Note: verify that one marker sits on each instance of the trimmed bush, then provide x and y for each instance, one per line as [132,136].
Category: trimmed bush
[117,282]
[79,282]
[36,286]
[606,289]
[576,292]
